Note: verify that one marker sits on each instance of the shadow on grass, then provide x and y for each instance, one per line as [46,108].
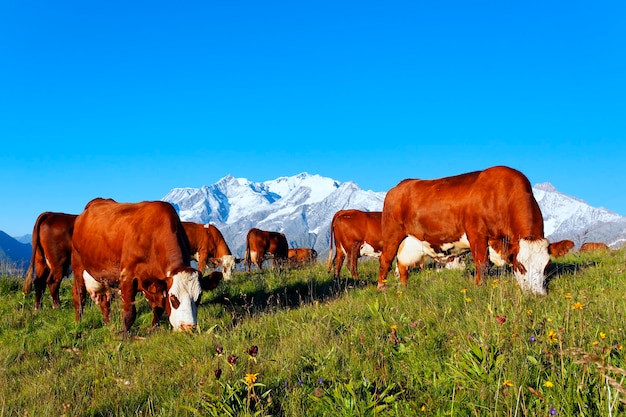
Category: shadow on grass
[313,287]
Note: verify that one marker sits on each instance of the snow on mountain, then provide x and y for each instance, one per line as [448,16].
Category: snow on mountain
[567,217]
[302,207]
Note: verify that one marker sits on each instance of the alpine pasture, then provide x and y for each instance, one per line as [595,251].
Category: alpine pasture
[298,343]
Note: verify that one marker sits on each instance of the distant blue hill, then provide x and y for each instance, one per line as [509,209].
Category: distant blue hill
[13,252]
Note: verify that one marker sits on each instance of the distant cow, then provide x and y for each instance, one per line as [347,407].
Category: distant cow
[301,256]
[593,246]
[207,244]
[355,233]
[261,243]
[449,216]
[51,256]
[136,247]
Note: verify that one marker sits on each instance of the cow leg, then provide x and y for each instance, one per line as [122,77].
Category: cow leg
[54,282]
[39,283]
[54,292]
[128,289]
[480,253]
[340,255]
[390,248]
[78,287]
[202,258]
[354,257]
[403,272]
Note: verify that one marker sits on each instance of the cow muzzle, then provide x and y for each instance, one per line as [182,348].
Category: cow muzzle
[187,327]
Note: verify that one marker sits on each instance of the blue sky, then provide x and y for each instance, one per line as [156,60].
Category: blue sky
[129,99]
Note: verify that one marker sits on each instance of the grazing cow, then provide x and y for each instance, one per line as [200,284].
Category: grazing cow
[261,243]
[445,217]
[51,256]
[136,247]
[355,233]
[207,244]
[593,246]
[301,256]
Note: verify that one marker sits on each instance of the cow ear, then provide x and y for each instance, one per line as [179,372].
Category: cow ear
[558,249]
[154,285]
[211,281]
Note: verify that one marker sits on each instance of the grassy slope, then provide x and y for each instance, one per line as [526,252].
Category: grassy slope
[440,347]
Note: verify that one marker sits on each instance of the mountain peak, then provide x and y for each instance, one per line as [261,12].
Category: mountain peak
[545,186]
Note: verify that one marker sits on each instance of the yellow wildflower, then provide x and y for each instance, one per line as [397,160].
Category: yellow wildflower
[602,335]
[552,336]
[529,312]
[423,409]
[463,290]
[468,299]
[507,383]
[577,306]
[568,296]
[251,378]
[548,384]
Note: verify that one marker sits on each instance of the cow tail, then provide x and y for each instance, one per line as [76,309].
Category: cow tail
[36,247]
[246,255]
[330,251]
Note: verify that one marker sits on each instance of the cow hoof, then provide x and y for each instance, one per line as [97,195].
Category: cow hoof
[382,287]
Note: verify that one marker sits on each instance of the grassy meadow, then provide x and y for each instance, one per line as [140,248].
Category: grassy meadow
[299,344]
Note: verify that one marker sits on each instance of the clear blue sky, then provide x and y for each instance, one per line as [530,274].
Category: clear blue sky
[129,99]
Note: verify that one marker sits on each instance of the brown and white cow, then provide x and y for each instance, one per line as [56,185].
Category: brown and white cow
[136,247]
[445,217]
[207,244]
[355,233]
[301,256]
[261,243]
[51,256]
[593,246]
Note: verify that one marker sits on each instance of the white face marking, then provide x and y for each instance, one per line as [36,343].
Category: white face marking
[185,287]
[228,265]
[368,250]
[93,287]
[535,257]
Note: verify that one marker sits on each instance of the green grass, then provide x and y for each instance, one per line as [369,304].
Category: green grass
[441,347]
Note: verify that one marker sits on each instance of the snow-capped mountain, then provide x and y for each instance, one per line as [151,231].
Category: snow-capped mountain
[302,207]
[567,217]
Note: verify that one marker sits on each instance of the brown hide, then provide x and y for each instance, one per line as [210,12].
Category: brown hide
[132,246]
[492,207]
[205,242]
[51,255]
[301,256]
[350,230]
[261,243]
[593,246]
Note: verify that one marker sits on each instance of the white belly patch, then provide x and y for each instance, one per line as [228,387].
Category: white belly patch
[93,287]
[368,250]
[413,251]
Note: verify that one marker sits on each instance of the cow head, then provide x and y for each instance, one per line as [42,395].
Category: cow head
[530,265]
[227,262]
[183,296]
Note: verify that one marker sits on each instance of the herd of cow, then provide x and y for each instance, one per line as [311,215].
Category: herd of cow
[145,247]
